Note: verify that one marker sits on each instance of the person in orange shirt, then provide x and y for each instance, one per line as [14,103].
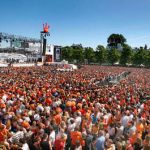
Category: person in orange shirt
[134,137]
[4,134]
[60,143]
[140,126]
[57,119]
[76,136]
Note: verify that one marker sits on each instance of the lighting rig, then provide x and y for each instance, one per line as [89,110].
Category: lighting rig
[11,37]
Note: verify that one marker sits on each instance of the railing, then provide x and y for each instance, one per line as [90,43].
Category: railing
[112,80]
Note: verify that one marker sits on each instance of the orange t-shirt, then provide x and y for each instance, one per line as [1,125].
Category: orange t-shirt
[76,136]
[48,101]
[57,119]
[3,135]
[140,127]
[134,137]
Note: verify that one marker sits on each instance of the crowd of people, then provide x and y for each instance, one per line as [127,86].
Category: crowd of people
[45,109]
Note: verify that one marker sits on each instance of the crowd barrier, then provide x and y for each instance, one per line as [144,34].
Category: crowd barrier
[113,80]
[20,64]
[3,65]
[23,65]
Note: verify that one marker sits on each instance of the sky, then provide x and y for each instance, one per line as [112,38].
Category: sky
[89,22]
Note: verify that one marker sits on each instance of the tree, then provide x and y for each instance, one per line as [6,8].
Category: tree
[89,54]
[113,56]
[147,58]
[126,55]
[78,54]
[145,47]
[139,56]
[67,53]
[115,39]
[101,54]
[74,52]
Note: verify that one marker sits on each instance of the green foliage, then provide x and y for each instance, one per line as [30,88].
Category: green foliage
[101,54]
[147,58]
[67,53]
[126,55]
[145,47]
[89,54]
[139,56]
[115,39]
[74,52]
[113,56]
[78,53]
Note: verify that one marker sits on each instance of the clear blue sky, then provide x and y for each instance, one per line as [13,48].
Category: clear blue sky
[88,22]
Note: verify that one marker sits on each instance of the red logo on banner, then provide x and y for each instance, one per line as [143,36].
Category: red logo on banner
[45,28]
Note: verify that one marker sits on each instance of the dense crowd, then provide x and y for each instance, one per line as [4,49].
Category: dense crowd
[45,109]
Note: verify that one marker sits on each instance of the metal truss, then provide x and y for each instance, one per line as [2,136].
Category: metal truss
[11,37]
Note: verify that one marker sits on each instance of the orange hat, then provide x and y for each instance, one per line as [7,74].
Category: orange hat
[25,124]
